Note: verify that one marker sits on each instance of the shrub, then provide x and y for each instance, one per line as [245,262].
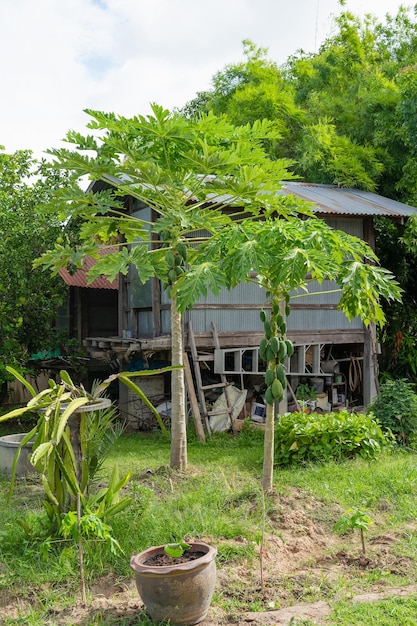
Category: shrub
[322,437]
[395,407]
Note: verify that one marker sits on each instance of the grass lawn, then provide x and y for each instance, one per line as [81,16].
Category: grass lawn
[218,499]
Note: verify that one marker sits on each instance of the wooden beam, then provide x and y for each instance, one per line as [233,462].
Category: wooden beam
[193,400]
[230,339]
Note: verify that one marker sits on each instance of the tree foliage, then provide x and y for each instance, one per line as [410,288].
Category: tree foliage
[183,169]
[349,120]
[28,298]
[208,183]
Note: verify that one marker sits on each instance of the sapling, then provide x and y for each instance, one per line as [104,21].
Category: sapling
[176,550]
[350,521]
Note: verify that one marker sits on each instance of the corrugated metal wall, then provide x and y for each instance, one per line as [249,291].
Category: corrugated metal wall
[229,320]
[247,320]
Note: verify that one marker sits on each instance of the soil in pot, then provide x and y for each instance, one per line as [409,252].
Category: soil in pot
[163,559]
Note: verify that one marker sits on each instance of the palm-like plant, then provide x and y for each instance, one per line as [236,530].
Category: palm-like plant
[74,431]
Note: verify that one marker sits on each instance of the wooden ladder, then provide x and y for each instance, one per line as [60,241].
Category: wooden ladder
[198,359]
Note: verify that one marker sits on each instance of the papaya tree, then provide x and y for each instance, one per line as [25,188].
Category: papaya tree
[282,255]
[183,170]
[208,183]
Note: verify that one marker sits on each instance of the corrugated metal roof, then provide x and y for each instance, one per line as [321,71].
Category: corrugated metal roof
[79,278]
[329,199]
[332,200]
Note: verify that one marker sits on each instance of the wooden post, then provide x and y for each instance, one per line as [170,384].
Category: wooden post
[193,400]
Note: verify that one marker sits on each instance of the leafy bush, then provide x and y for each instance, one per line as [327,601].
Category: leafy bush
[395,407]
[322,437]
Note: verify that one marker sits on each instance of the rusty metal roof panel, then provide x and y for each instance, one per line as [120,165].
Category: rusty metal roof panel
[332,200]
[79,278]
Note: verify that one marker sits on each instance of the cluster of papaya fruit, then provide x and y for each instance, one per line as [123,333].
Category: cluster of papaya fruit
[176,260]
[274,348]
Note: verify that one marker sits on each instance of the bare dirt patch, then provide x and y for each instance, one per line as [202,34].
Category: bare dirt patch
[296,575]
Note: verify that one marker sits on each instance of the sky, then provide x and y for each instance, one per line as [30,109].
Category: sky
[60,57]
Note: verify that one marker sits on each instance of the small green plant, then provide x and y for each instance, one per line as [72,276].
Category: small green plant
[176,550]
[322,437]
[353,520]
[87,527]
[396,409]
[304,392]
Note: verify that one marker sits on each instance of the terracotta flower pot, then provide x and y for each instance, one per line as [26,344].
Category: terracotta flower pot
[180,593]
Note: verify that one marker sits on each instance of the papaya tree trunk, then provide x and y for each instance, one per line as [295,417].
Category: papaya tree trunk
[268,463]
[178,416]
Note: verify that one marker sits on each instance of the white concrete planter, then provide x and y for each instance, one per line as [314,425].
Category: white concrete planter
[8,448]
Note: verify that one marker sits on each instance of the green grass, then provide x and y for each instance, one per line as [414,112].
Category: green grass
[390,483]
[401,611]
[218,499]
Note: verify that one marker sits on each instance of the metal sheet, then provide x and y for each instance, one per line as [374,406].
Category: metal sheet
[79,278]
[330,199]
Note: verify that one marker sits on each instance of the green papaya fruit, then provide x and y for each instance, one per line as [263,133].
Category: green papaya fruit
[282,351]
[290,347]
[262,315]
[275,308]
[268,329]
[262,348]
[287,310]
[280,320]
[269,376]
[274,343]
[182,251]
[179,270]
[170,258]
[172,275]
[277,390]
[283,328]
[270,354]
[280,374]
[269,396]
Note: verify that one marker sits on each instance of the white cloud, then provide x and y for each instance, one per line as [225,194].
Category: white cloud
[58,57]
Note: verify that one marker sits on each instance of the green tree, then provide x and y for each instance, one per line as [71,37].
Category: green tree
[208,183]
[346,92]
[398,338]
[183,169]
[28,298]
[254,89]
[351,122]
[356,83]
[324,156]
[283,255]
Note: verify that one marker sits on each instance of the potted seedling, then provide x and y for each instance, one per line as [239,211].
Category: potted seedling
[176,581]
